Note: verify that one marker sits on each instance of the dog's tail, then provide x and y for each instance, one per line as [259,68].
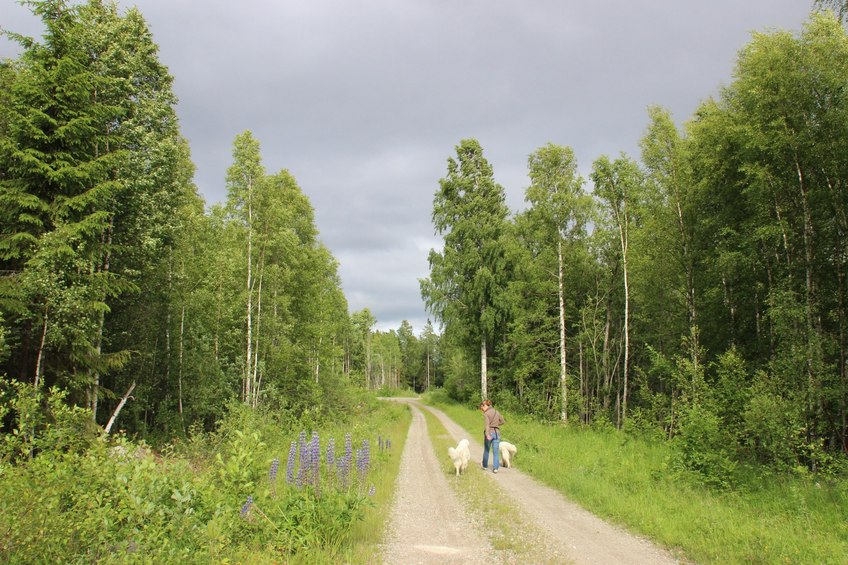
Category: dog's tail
[453,453]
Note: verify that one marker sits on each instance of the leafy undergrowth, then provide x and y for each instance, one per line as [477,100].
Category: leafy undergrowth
[259,490]
[765,518]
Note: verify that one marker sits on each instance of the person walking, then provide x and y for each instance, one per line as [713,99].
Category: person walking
[491,434]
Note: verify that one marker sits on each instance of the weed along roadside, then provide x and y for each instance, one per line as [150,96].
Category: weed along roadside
[260,489]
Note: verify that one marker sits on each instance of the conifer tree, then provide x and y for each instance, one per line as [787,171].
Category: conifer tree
[467,279]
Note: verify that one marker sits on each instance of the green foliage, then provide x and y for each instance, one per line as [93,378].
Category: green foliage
[112,272]
[120,502]
[467,277]
[773,425]
[42,421]
[705,447]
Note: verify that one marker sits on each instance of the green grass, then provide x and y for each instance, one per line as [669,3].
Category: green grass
[626,480]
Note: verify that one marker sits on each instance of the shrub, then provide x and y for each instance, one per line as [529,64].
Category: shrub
[771,426]
[704,447]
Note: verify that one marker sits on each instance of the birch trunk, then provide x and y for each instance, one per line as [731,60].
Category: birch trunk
[249,287]
[180,362]
[106,241]
[814,399]
[562,370]
[428,367]
[318,358]
[118,409]
[40,359]
[624,238]
[484,384]
[255,377]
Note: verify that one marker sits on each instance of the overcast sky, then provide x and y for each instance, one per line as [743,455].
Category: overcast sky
[364,101]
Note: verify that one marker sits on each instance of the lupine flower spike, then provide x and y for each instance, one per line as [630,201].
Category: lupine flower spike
[272,474]
[291,463]
[245,509]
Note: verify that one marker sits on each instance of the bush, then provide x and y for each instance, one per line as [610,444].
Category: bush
[42,421]
[114,501]
[772,425]
[704,447]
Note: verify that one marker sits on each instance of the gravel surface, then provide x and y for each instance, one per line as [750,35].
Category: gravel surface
[429,525]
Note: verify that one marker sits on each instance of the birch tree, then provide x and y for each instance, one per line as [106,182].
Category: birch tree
[617,184]
[668,176]
[561,208]
[243,179]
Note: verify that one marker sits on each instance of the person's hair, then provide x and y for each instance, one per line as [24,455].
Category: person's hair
[486,402]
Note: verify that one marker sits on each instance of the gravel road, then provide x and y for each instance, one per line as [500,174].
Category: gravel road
[428,524]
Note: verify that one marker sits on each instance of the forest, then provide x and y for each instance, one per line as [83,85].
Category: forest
[696,293]
[701,285]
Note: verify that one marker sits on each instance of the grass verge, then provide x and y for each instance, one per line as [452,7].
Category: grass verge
[627,481]
[367,535]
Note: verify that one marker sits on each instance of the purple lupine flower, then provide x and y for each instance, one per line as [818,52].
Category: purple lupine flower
[246,508]
[348,446]
[363,457]
[272,474]
[388,443]
[303,449]
[343,470]
[359,459]
[291,463]
[380,442]
[372,490]
[331,452]
[315,459]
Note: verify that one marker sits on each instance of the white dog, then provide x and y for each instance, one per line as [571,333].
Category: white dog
[460,456]
[507,453]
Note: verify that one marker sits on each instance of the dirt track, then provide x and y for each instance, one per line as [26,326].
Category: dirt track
[428,524]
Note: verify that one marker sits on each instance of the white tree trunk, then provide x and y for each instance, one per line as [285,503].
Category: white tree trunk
[180,365]
[624,235]
[255,378]
[562,369]
[118,409]
[484,383]
[249,286]
[428,366]
[317,369]
[101,322]
[40,359]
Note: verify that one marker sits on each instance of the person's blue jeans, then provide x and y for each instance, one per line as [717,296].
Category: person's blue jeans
[493,444]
